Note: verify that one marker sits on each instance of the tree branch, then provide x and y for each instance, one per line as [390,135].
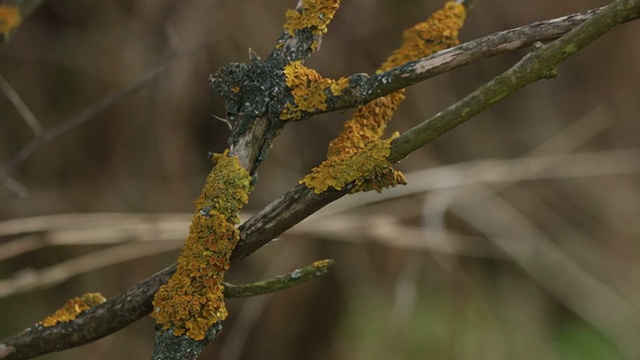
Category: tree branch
[253,94]
[366,88]
[300,202]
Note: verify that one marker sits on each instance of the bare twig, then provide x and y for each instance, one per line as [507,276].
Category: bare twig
[281,282]
[93,110]
[22,108]
[32,279]
[14,186]
[565,279]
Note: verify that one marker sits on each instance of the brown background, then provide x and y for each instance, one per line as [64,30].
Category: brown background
[383,300]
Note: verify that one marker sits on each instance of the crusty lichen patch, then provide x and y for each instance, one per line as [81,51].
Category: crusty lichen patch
[358,153]
[72,308]
[368,167]
[9,19]
[312,14]
[192,301]
[437,33]
[309,90]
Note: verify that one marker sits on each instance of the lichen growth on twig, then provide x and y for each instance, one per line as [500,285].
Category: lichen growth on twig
[313,14]
[359,153]
[192,301]
[280,282]
[309,90]
[72,308]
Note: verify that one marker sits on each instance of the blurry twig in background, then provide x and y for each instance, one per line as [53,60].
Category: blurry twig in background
[530,248]
[29,279]
[170,229]
[539,256]
[22,108]
[95,109]
[15,187]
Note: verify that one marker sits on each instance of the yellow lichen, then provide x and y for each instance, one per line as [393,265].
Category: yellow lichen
[309,90]
[368,168]
[322,263]
[437,33]
[351,155]
[9,19]
[192,301]
[314,15]
[72,308]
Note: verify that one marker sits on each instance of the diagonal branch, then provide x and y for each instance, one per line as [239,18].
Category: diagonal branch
[300,202]
[367,88]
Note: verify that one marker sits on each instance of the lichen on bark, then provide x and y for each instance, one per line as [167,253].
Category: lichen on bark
[192,301]
[359,153]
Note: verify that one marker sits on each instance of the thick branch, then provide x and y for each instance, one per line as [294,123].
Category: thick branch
[300,202]
[251,92]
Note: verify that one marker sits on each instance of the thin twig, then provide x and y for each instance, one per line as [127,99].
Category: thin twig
[558,273]
[14,186]
[95,109]
[281,282]
[22,108]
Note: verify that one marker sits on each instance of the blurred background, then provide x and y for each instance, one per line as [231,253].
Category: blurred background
[516,238]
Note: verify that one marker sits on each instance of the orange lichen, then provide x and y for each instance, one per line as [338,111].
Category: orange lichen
[309,89]
[72,308]
[368,168]
[314,15]
[192,301]
[9,19]
[352,155]
[322,263]
[437,33]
